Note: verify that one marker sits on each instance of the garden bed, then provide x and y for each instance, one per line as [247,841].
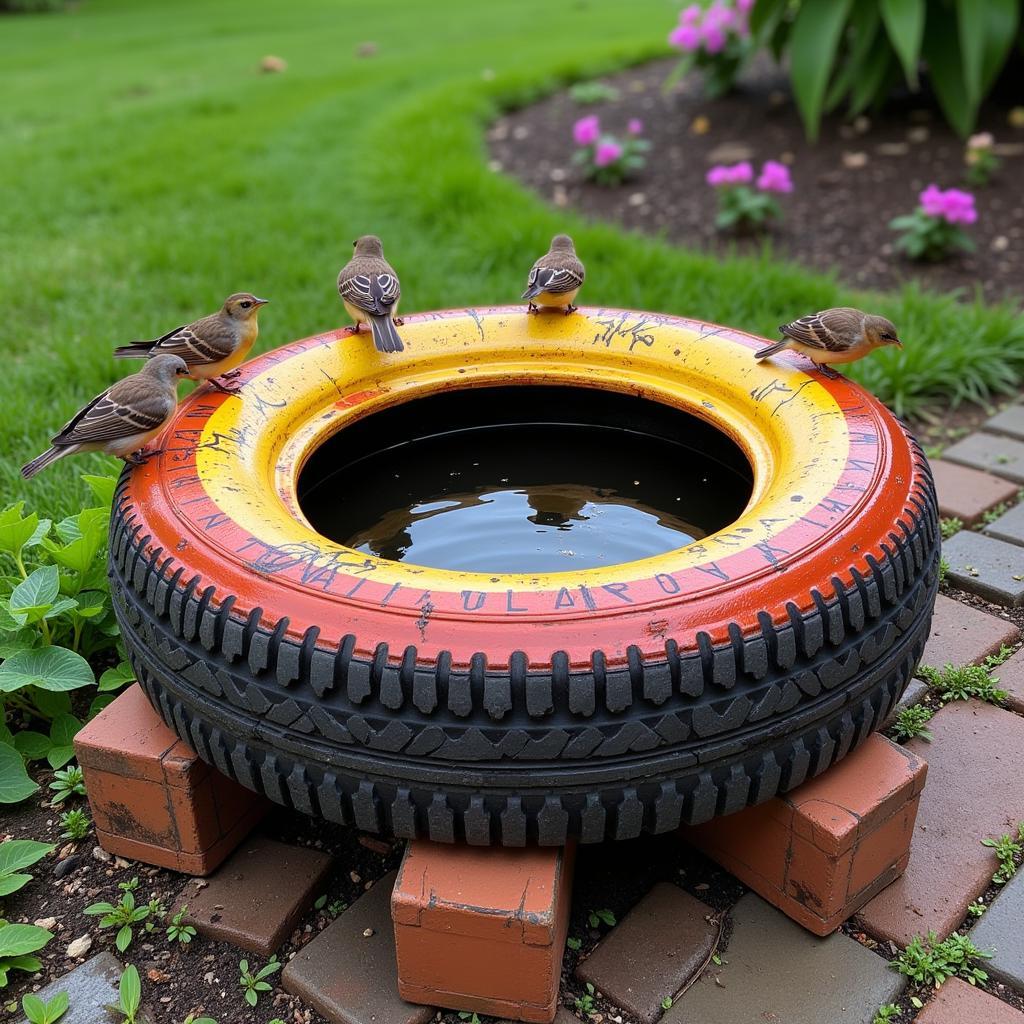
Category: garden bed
[847,187]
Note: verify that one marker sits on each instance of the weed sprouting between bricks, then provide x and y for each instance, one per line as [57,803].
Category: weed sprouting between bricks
[76,825]
[67,783]
[886,1013]
[123,915]
[962,682]
[253,984]
[911,722]
[129,994]
[178,931]
[39,1012]
[1008,851]
[927,961]
[596,917]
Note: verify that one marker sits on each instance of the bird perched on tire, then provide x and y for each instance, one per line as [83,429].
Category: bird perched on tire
[123,419]
[213,346]
[840,335]
[369,288]
[555,278]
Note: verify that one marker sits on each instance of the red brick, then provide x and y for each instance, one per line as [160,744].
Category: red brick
[1011,678]
[823,850]
[966,493]
[957,1002]
[245,902]
[482,929]
[975,789]
[152,798]
[962,635]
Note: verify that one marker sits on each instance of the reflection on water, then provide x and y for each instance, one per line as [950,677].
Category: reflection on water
[527,498]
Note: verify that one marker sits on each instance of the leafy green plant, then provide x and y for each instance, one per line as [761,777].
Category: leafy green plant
[39,1012]
[16,854]
[17,944]
[962,682]
[253,984]
[950,526]
[932,231]
[76,825]
[129,992]
[585,1002]
[1008,851]
[192,1019]
[856,51]
[596,91]
[596,917]
[473,1018]
[886,1013]
[943,569]
[980,159]
[911,722]
[573,943]
[67,783]
[930,962]
[122,915]
[715,40]
[335,907]
[976,909]
[666,1003]
[178,931]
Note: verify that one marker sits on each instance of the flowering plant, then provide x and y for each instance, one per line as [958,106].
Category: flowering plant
[716,40]
[746,203]
[933,230]
[980,158]
[605,158]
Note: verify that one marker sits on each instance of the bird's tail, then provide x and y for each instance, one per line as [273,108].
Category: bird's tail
[385,337]
[533,291]
[136,350]
[770,350]
[30,469]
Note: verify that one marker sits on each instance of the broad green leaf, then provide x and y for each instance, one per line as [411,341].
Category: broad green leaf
[904,21]
[945,72]
[103,487]
[812,50]
[130,990]
[40,590]
[49,668]
[115,678]
[766,14]
[13,882]
[99,703]
[124,938]
[34,1007]
[50,703]
[8,622]
[60,606]
[6,736]
[91,604]
[15,785]
[15,531]
[33,746]
[29,964]
[59,756]
[16,854]
[41,530]
[19,939]
[864,23]
[63,729]
[1000,31]
[58,1005]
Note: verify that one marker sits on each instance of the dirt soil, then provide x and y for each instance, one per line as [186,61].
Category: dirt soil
[847,187]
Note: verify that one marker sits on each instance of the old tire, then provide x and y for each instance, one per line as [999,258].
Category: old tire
[597,706]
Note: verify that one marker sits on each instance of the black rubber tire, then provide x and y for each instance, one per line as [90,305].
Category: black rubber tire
[521,757]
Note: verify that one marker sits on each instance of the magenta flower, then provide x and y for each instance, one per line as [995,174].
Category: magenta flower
[774,177]
[714,38]
[586,130]
[690,15]
[744,6]
[608,151]
[635,126]
[736,174]
[953,206]
[685,37]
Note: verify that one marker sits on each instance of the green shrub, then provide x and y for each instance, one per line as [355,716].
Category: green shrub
[856,51]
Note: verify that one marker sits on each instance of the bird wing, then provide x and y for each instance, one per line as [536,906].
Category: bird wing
[556,280]
[115,414]
[206,341]
[372,293]
[813,332]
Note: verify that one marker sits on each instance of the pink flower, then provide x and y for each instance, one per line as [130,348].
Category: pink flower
[719,16]
[738,174]
[586,130]
[685,37]
[690,15]
[635,126]
[774,177]
[744,6]
[714,38]
[607,152]
[932,201]
[953,206]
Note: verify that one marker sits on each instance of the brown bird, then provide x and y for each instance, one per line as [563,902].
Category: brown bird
[125,418]
[840,335]
[369,288]
[555,278]
[212,346]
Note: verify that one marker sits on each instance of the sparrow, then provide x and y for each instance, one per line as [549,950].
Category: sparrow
[121,420]
[555,278]
[213,346]
[369,288]
[840,335]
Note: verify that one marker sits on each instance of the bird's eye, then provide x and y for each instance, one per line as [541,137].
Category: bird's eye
[246,304]
[887,337]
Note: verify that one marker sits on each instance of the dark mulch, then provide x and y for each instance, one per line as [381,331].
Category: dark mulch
[836,219]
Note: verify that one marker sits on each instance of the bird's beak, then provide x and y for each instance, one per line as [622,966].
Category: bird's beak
[898,343]
[260,302]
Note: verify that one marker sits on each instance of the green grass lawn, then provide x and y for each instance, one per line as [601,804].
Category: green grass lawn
[148,170]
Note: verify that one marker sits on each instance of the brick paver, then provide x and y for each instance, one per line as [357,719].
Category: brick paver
[1001,928]
[1009,421]
[91,988]
[967,494]
[993,453]
[649,955]
[255,899]
[348,973]
[975,789]
[773,970]
[1011,679]
[1009,526]
[957,1002]
[962,635]
[990,568]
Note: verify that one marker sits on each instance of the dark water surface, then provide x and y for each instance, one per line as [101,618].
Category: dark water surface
[525,497]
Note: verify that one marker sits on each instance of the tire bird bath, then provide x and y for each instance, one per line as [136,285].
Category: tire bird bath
[537,578]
